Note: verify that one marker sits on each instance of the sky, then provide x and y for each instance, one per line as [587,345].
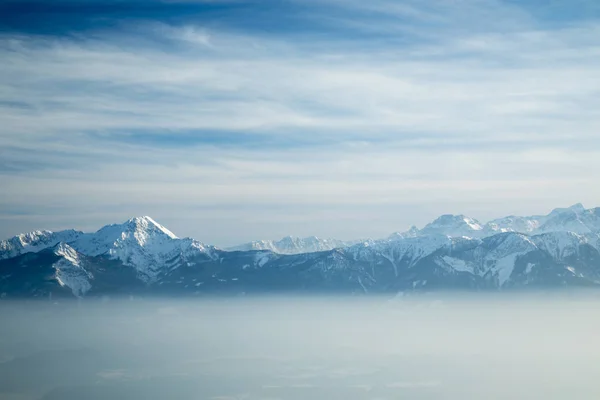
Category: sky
[230,121]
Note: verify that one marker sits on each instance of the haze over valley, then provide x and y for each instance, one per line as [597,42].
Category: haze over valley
[441,347]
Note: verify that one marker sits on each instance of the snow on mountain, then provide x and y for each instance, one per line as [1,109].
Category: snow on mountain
[501,257]
[497,256]
[136,232]
[593,239]
[35,241]
[401,253]
[412,232]
[573,219]
[452,250]
[456,264]
[70,271]
[513,224]
[292,245]
[141,243]
[454,226]
[412,249]
[494,257]
[115,238]
[560,245]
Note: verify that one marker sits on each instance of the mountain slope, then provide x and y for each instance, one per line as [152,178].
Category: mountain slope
[141,257]
[575,219]
[35,241]
[453,225]
[70,271]
[292,245]
[143,244]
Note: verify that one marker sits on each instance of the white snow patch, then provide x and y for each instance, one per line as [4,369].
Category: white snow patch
[391,260]
[362,285]
[69,271]
[261,259]
[457,264]
[472,224]
[419,283]
[529,268]
[505,266]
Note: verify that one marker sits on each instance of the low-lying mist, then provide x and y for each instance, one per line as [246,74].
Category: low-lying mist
[426,347]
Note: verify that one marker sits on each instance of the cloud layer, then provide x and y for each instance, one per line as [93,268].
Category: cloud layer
[230,121]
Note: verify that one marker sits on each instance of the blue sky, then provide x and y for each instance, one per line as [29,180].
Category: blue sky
[237,120]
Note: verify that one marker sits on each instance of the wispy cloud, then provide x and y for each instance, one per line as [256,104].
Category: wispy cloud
[362,111]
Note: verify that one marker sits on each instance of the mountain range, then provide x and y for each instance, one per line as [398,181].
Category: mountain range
[454,252]
[294,245]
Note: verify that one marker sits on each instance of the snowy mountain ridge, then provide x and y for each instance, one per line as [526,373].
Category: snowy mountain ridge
[144,232]
[35,241]
[293,245]
[575,219]
[453,252]
[140,242]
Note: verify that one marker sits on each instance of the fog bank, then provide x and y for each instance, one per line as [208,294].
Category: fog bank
[442,347]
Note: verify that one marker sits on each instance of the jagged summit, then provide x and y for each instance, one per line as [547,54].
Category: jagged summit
[574,209]
[35,241]
[140,242]
[454,225]
[577,207]
[63,249]
[413,231]
[147,223]
[452,252]
[292,245]
[575,218]
[138,232]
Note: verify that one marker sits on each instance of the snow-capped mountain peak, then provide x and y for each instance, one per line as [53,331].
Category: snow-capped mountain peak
[514,224]
[141,243]
[35,241]
[139,232]
[573,219]
[575,208]
[293,245]
[412,232]
[560,248]
[146,224]
[453,225]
